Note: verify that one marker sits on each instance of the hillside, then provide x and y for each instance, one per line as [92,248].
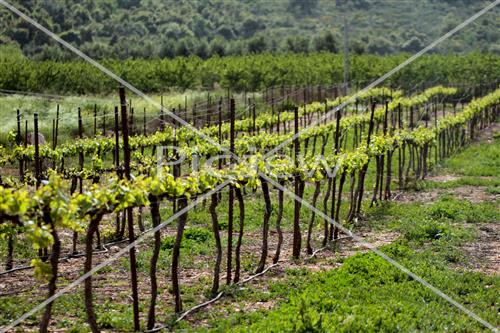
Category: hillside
[152,28]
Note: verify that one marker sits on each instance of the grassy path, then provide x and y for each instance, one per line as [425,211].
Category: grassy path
[449,239]
[445,230]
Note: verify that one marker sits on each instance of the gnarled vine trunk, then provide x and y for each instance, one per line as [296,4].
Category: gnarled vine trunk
[181,223]
[279,217]
[237,254]
[89,306]
[317,188]
[218,245]
[339,202]
[326,224]
[265,225]
[54,263]
[155,217]
[9,261]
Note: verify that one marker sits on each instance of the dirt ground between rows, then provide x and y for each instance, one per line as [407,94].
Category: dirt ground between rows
[114,284]
[483,255]
[474,194]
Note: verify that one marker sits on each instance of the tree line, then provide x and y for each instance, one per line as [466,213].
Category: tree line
[241,73]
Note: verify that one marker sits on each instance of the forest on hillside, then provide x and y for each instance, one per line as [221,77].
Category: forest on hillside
[123,29]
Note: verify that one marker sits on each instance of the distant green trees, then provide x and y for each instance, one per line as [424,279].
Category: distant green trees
[250,26]
[257,45]
[238,73]
[303,7]
[380,45]
[121,29]
[326,42]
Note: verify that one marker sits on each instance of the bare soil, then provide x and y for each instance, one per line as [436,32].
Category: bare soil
[484,253]
[113,283]
[474,194]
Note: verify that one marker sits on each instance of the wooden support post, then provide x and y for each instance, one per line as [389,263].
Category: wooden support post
[95,120]
[130,218]
[271,129]
[278,122]
[209,110]
[231,200]
[25,133]
[249,105]
[411,117]
[176,169]
[333,231]
[117,141]
[53,132]
[104,122]
[144,131]
[437,146]
[57,127]
[132,126]
[19,142]
[253,118]
[37,152]
[219,113]
[162,115]
[297,239]
[80,154]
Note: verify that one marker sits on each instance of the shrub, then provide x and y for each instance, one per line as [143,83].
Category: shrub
[191,237]
[426,230]
[198,235]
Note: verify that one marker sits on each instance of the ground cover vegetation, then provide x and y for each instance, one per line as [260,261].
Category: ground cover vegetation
[81,206]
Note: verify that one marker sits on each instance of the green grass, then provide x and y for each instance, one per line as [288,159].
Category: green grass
[479,159]
[365,294]
[68,125]
[427,185]
[368,294]
[113,315]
